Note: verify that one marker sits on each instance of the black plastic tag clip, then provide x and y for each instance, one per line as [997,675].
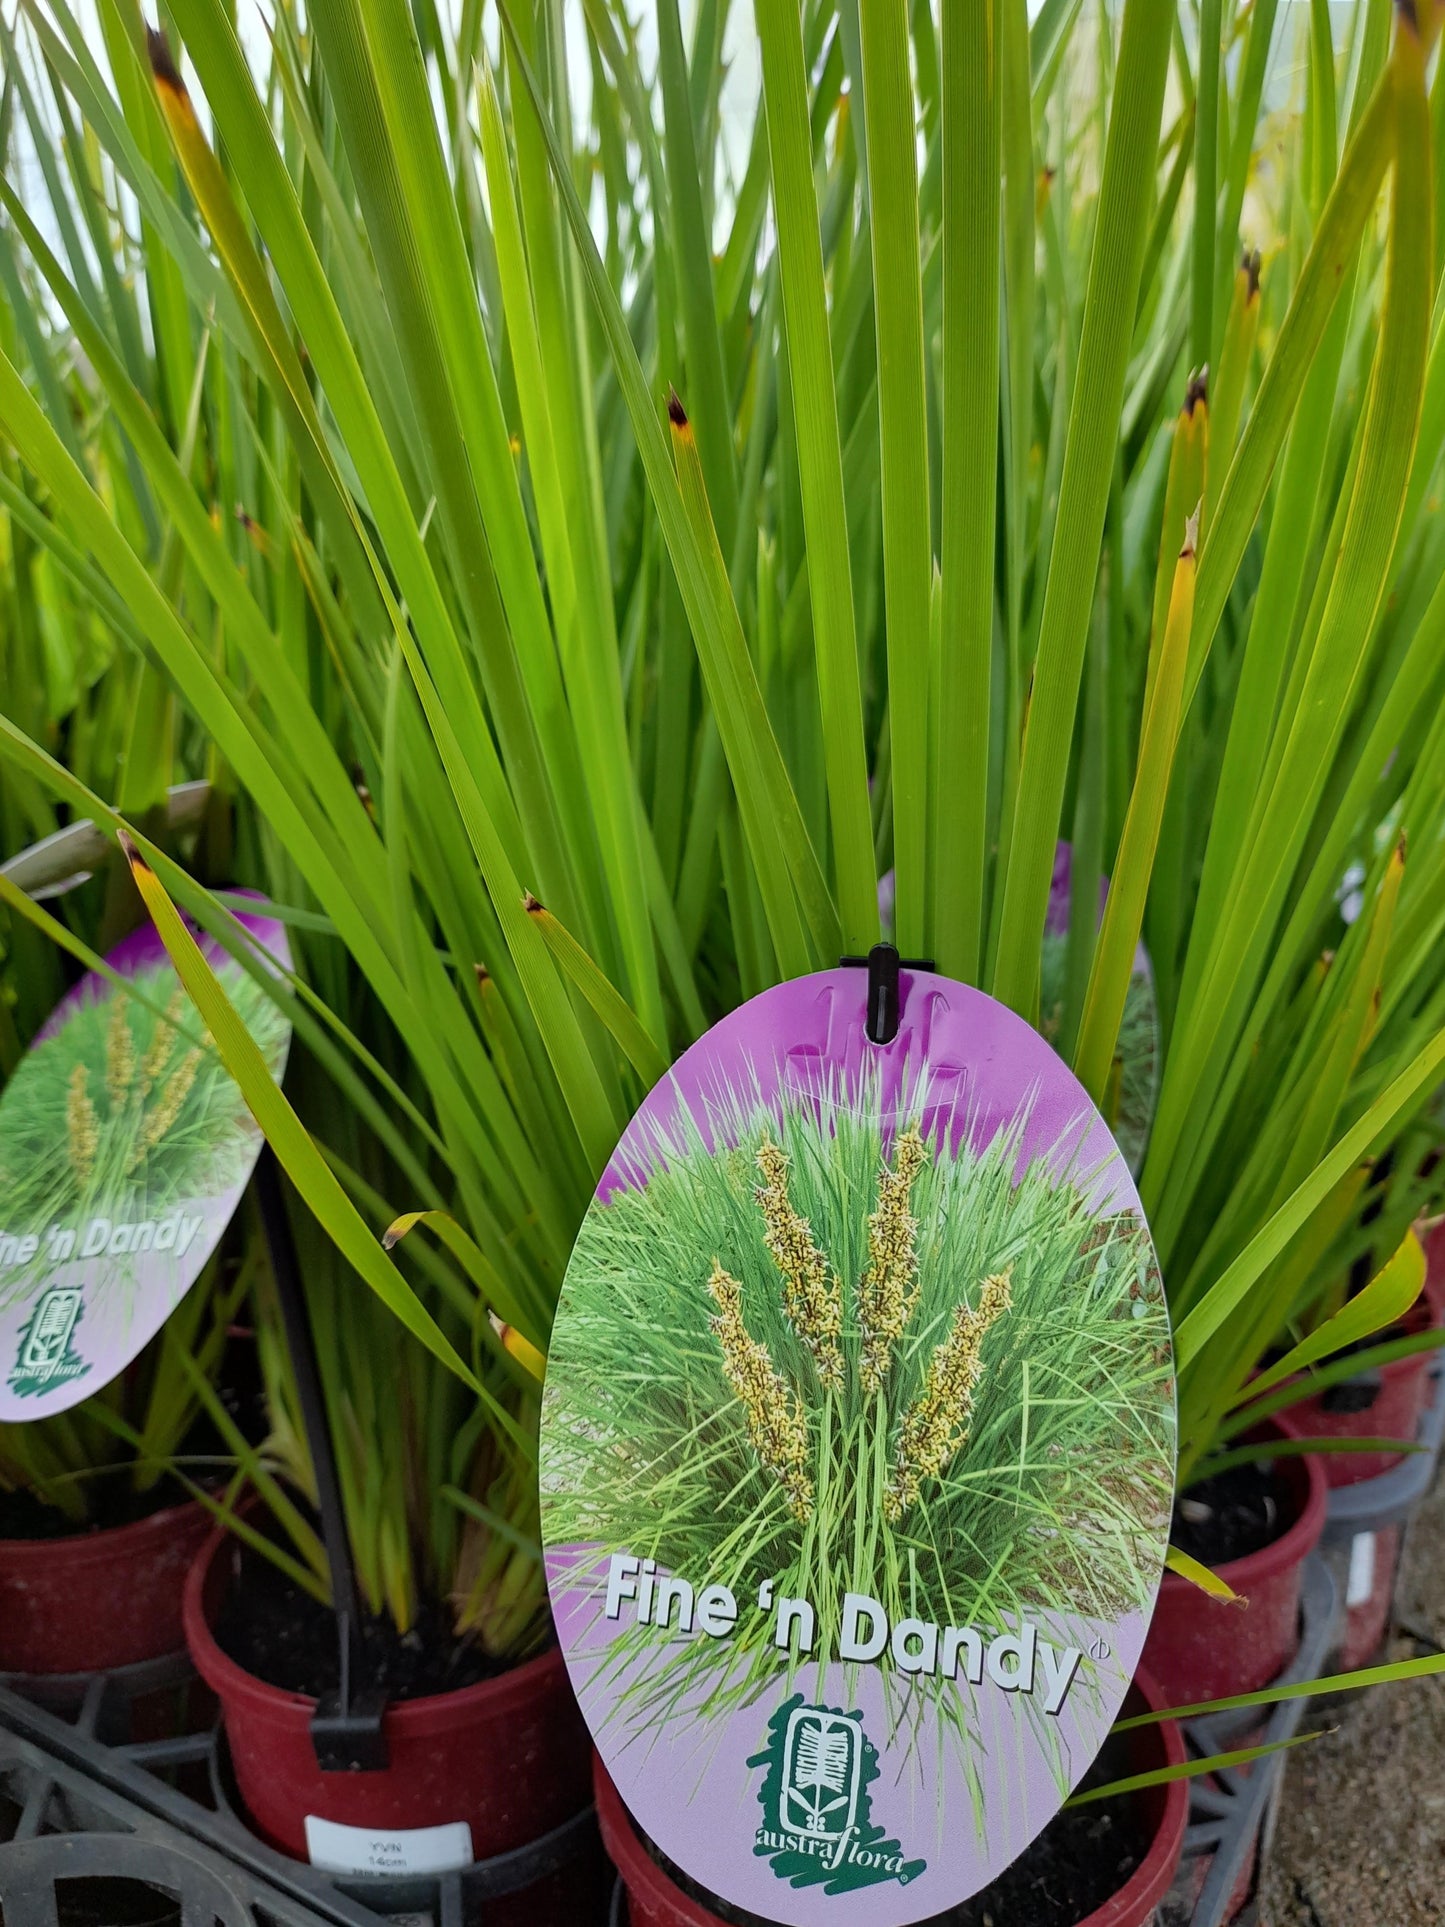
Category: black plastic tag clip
[885,1004]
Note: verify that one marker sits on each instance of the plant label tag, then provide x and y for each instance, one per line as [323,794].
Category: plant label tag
[858,1444]
[125,1146]
[338,1849]
[1361,1581]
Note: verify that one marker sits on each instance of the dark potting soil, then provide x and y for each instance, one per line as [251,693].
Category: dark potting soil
[110,1498]
[1080,1860]
[1233,1514]
[281,1634]
[111,1501]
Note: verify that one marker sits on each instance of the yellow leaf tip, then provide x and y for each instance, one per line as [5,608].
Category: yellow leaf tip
[520,1348]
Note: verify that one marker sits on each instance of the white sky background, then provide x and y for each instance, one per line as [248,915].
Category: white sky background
[253,18]
[738,106]
[739,100]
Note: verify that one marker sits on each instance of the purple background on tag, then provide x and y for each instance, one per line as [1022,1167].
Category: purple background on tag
[983,1064]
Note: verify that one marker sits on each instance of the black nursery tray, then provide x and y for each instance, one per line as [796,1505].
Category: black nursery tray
[99,1828]
[90,1837]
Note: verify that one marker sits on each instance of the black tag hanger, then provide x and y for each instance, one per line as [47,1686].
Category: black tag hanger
[885,1005]
[346,1728]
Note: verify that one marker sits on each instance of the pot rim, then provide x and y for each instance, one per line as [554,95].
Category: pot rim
[1141,1892]
[104,1541]
[1299,1539]
[231,1681]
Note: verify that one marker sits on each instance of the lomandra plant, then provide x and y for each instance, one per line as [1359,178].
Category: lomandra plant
[600,549]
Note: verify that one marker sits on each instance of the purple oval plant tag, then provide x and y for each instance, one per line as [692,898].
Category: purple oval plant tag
[125,1146]
[858,1449]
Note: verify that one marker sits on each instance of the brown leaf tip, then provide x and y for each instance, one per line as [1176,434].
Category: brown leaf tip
[1249,265]
[676,413]
[530,903]
[163,65]
[1198,390]
[482,974]
[1409,15]
[131,850]
[389,1237]
[1191,534]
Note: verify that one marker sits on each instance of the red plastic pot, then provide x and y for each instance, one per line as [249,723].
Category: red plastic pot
[98,1600]
[655,1900]
[508,1756]
[1400,1393]
[1435,1272]
[1202,1649]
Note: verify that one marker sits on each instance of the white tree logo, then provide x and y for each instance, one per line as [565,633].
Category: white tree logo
[45,1357]
[822,1768]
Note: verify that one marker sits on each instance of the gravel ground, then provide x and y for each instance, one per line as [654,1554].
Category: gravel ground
[1361,1840]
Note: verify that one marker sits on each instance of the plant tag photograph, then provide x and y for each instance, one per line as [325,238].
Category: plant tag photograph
[125,1146]
[857,1452]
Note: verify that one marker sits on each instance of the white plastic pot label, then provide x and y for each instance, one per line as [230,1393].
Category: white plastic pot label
[857,1451]
[363,1850]
[1360,1584]
[125,1145]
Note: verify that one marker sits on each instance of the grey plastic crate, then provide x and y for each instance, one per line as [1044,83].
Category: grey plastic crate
[1233,1813]
[81,1798]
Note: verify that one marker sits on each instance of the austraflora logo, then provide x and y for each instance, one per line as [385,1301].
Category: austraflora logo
[817,1827]
[46,1357]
